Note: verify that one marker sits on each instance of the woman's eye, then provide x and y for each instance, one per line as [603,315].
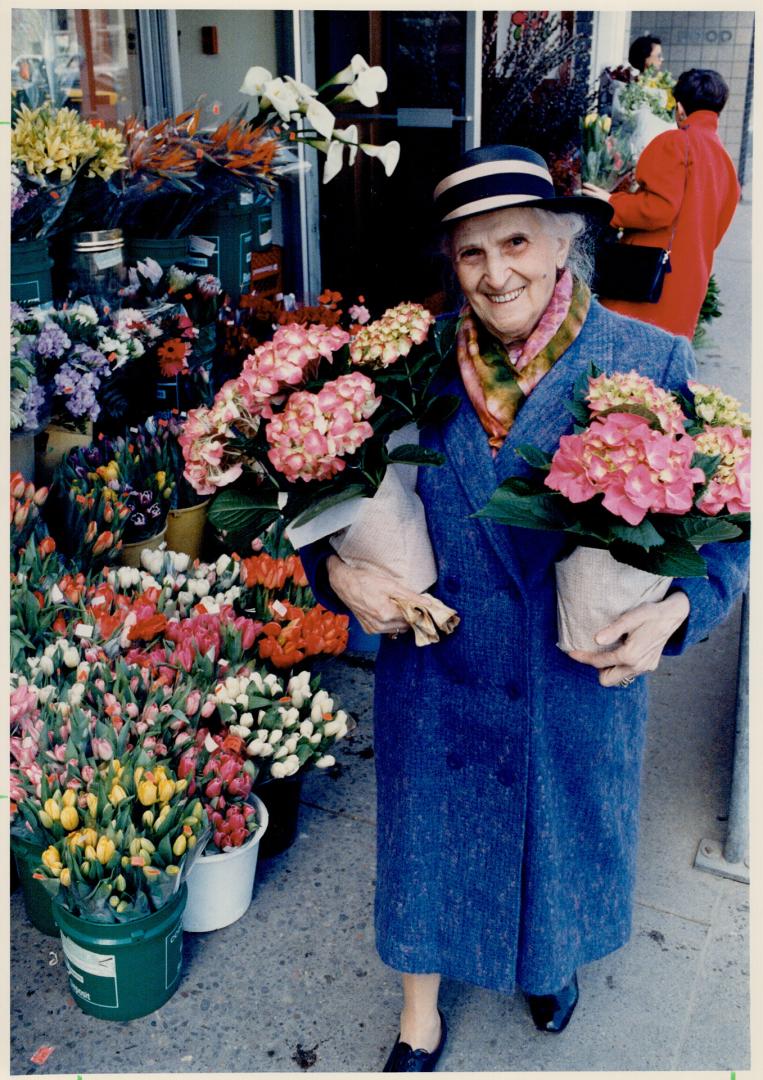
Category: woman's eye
[517,241]
[469,253]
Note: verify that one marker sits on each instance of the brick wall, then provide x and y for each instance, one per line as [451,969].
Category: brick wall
[721,40]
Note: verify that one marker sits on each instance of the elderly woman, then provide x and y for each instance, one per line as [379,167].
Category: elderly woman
[508,772]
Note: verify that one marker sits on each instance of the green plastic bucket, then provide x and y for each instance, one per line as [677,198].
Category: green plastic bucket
[119,971]
[229,226]
[166,252]
[37,900]
[31,282]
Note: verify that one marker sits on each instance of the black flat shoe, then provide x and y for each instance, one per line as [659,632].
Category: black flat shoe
[552,1012]
[404,1059]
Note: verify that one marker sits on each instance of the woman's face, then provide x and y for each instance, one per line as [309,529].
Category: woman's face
[654,60]
[507,265]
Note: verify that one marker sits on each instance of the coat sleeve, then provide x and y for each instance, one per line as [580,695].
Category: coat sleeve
[713,597]
[314,558]
[661,175]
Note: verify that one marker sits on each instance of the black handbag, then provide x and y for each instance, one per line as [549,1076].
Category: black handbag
[634,272]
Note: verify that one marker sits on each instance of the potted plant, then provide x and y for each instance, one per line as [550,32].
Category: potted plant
[647,478]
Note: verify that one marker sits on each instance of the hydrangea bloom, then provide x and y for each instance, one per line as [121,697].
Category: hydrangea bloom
[609,391]
[731,483]
[637,469]
[383,342]
[52,341]
[315,431]
[716,408]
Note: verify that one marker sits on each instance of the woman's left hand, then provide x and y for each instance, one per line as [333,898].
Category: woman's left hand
[595,192]
[647,628]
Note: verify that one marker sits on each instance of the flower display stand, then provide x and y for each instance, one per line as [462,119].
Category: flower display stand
[130,553]
[185,529]
[281,798]
[120,971]
[220,886]
[31,282]
[53,444]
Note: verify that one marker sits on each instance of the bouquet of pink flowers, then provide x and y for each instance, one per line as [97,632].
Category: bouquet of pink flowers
[304,427]
[649,474]
[647,477]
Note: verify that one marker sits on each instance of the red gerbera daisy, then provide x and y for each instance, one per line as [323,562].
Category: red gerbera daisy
[172,357]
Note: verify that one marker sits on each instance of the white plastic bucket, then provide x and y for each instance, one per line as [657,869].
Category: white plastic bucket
[220,886]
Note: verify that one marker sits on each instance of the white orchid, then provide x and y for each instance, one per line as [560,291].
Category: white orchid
[351,72]
[366,88]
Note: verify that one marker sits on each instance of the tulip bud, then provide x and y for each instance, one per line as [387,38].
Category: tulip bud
[92,802]
[69,818]
[123,905]
[148,818]
[69,798]
[147,793]
[66,876]
[116,795]
[172,870]
[50,857]
[166,790]
[178,848]
[113,900]
[52,810]
[90,852]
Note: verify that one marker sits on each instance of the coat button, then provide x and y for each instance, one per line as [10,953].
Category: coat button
[513,691]
[452,584]
[454,761]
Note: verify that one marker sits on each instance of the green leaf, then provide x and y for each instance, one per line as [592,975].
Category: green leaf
[644,535]
[335,499]
[444,335]
[675,558]
[413,454]
[237,512]
[704,530]
[439,409]
[539,459]
[529,510]
[579,410]
[707,463]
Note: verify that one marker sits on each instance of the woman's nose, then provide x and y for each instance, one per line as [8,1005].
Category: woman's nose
[497,270]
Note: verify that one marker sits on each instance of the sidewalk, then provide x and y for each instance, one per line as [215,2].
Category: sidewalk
[296,984]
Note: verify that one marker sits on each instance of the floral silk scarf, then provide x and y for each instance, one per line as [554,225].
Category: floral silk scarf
[498,379]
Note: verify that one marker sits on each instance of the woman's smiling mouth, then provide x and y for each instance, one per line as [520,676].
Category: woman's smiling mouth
[505,298]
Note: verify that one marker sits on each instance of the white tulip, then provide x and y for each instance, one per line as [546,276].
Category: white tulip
[184,598]
[275,736]
[180,561]
[257,680]
[291,743]
[223,563]
[325,761]
[332,727]
[246,720]
[210,605]
[210,744]
[306,728]
[315,738]
[238,729]
[45,693]
[281,752]
[255,748]
[46,665]
[71,657]
[267,750]
[277,770]
[76,694]
[291,765]
[153,561]
[56,596]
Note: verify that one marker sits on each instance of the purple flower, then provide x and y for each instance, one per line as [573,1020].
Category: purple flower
[33,403]
[18,313]
[52,342]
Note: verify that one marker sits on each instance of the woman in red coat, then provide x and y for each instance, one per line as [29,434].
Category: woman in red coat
[686,182]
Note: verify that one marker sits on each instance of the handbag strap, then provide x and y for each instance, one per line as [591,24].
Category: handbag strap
[683,195]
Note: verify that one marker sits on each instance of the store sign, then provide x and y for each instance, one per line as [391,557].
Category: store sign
[686,36]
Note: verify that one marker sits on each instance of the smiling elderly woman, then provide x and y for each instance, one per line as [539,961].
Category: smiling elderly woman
[508,772]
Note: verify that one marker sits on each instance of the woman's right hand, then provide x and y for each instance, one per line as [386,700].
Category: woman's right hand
[367,595]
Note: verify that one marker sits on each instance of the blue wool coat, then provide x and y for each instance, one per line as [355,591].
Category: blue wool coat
[508,778]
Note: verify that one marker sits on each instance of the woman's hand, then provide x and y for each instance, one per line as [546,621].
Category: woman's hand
[367,595]
[595,192]
[647,629]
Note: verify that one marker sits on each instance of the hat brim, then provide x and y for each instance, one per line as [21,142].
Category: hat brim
[597,209]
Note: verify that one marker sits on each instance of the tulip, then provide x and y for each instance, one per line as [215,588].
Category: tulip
[166,790]
[104,849]
[65,877]
[147,793]
[52,809]
[90,853]
[69,818]
[179,846]
[116,795]
[51,858]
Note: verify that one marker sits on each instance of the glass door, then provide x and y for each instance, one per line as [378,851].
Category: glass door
[376,231]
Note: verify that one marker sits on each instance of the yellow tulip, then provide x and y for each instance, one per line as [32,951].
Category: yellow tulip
[135,846]
[69,818]
[180,785]
[119,883]
[113,900]
[70,798]
[45,819]
[138,773]
[85,867]
[122,906]
[52,809]
[66,876]
[116,795]
[172,870]
[166,790]
[50,857]
[148,818]
[90,836]
[606,123]
[92,802]
[90,853]
[147,845]
[178,848]
[147,793]
[590,119]
[104,850]
[191,842]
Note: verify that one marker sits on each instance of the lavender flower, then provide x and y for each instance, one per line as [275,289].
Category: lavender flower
[33,404]
[52,342]
[19,197]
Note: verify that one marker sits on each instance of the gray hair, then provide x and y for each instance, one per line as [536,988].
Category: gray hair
[572,227]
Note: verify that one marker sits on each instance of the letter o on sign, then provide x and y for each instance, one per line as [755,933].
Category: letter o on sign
[711,36]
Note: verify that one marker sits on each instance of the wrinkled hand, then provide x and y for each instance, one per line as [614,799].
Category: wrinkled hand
[367,595]
[595,192]
[647,629]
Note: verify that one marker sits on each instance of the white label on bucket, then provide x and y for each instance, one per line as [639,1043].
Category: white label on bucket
[92,962]
[104,259]
[198,243]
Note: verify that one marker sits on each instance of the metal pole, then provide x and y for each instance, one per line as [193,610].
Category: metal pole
[736,847]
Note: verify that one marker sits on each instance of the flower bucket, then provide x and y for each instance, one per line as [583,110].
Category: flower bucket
[53,444]
[119,971]
[130,553]
[38,903]
[22,455]
[220,886]
[593,589]
[165,252]
[228,225]
[281,799]
[30,273]
[185,529]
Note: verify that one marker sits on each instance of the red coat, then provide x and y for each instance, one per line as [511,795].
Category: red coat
[704,213]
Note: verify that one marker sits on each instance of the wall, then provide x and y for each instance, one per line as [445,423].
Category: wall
[721,40]
[244,38]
